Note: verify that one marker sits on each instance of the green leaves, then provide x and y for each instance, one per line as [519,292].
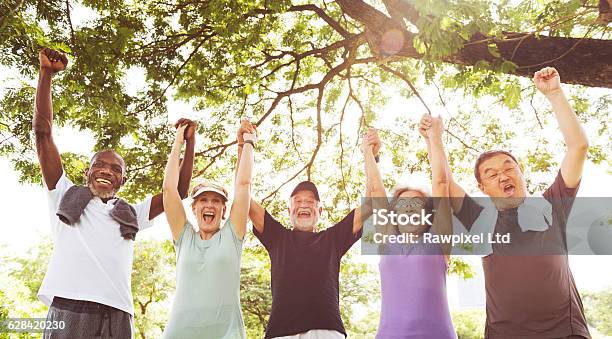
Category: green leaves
[596,304]
[461,268]
[132,65]
[512,94]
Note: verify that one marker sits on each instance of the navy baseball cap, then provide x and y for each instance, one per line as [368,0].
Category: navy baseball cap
[306,186]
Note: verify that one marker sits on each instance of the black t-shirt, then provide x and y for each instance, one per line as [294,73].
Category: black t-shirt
[530,297]
[305,271]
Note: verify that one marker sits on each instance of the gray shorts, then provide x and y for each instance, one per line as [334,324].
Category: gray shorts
[85,319]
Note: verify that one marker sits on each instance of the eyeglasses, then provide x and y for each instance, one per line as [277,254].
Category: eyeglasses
[410,203]
[494,176]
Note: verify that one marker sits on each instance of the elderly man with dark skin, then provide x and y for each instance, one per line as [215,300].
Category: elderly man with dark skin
[88,280]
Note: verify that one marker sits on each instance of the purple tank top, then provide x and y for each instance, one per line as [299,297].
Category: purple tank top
[413,288]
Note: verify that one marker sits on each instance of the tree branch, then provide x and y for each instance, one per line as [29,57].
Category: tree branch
[341,141]
[273,193]
[10,11]
[408,82]
[175,76]
[319,133]
[70,22]
[214,158]
[592,69]
[290,104]
[318,86]
[321,13]
[535,111]
[354,40]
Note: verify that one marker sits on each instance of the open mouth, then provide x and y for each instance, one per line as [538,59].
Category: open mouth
[509,189]
[103,181]
[303,214]
[208,216]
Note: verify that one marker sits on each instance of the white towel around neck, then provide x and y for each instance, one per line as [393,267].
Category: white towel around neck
[534,214]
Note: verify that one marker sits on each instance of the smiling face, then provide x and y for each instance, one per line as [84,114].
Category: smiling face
[106,174]
[209,208]
[501,178]
[304,210]
[411,202]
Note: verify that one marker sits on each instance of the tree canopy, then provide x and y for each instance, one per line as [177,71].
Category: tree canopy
[312,74]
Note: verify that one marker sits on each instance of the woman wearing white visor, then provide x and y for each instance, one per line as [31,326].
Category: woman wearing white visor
[207,300]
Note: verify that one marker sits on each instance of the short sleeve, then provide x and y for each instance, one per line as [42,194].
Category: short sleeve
[272,231]
[185,237]
[558,189]
[561,197]
[470,210]
[229,229]
[142,214]
[55,197]
[342,233]
[56,194]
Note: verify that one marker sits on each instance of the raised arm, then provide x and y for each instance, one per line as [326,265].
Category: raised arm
[437,159]
[257,214]
[51,62]
[548,82]
[375,188]
[456,192]
[256,211]
[172,202]
[440,182]
[242,188]
[186,168]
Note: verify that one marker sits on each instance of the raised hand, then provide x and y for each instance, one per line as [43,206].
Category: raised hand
[424,125]
[190,128]
[371,141]
[245,127]
[52,60]
[180,134]
[374,140]
[547,80]
[436,128]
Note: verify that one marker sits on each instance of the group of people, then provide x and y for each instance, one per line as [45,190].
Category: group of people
[87,283]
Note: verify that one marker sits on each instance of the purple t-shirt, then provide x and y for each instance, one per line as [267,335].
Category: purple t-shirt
[413,289]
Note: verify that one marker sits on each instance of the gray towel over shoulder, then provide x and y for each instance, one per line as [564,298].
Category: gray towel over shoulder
[77,197]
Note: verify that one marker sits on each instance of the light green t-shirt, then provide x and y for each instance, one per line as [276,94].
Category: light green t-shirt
[207,300]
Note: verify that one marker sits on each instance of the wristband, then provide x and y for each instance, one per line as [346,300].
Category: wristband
[249,142]
[377,157]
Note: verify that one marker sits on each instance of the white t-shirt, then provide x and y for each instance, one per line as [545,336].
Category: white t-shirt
[91,260]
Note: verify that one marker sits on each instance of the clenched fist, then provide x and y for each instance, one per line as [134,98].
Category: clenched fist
[52,60]
[547,80]
[431,127]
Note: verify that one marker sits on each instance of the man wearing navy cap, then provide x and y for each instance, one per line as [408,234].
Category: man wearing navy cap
[306,260]
[305,207]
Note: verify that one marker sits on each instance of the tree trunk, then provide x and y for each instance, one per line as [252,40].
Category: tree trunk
[585,62]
